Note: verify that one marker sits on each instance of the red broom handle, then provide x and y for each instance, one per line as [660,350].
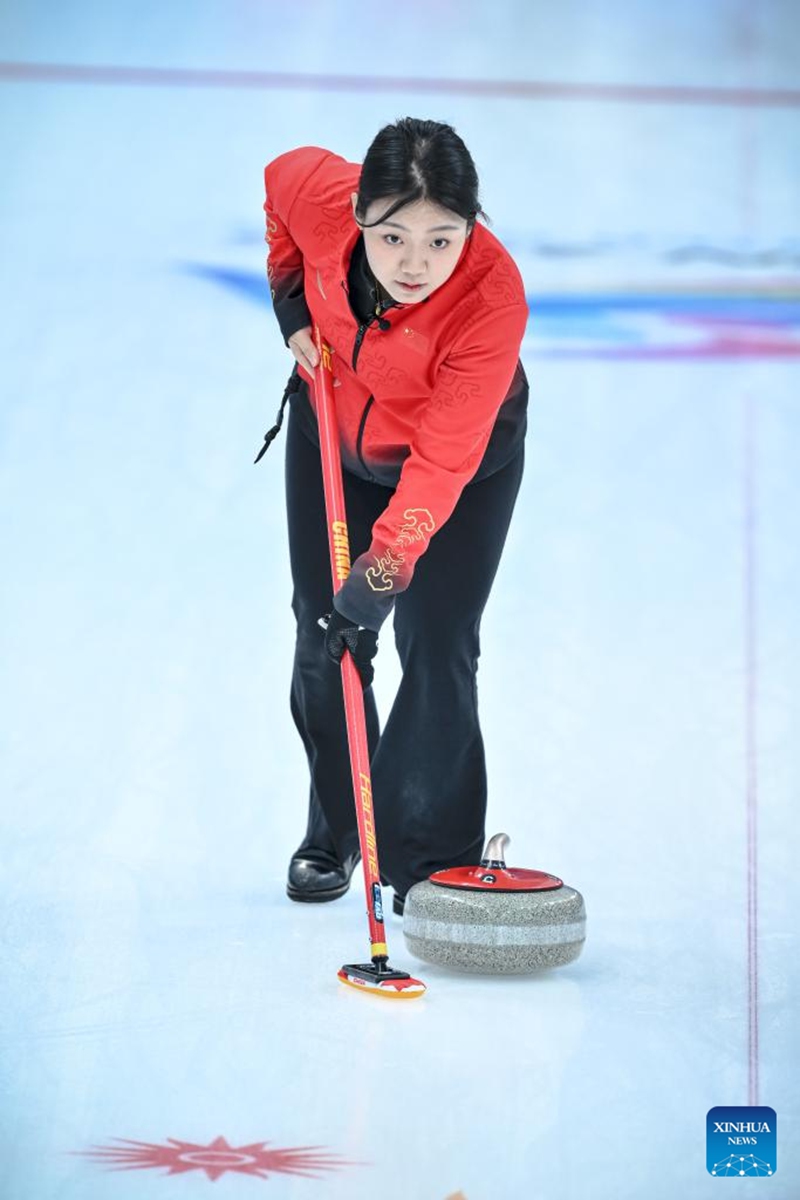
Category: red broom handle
[339,545]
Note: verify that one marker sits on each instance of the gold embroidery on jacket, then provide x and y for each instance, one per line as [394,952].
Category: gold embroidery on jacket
[419,525]
[381,577]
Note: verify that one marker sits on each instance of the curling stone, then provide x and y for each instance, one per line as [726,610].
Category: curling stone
[494,919]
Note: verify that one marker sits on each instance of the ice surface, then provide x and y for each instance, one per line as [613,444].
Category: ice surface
[638,682]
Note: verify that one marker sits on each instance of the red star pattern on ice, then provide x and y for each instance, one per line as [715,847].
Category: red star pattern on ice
[216,1158]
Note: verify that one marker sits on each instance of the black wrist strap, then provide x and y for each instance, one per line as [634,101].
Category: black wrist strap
[291,387]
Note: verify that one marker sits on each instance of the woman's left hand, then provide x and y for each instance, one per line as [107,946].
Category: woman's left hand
[341,635]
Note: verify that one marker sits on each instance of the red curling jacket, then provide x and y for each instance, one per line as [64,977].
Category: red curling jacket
[419,396]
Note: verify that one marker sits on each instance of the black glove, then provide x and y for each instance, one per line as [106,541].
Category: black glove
[341,635]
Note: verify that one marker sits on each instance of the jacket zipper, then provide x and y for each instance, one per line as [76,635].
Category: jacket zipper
[362,329]
[360,437]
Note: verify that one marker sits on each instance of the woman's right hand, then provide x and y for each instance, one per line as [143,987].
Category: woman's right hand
[302,347]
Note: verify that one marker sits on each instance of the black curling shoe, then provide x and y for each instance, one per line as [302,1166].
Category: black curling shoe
[316,876]
[316,873]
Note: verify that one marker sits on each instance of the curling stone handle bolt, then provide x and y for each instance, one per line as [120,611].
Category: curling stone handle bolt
[495,853]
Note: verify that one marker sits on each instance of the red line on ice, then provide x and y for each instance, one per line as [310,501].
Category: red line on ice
[751,733]
[521,89]
[748,189]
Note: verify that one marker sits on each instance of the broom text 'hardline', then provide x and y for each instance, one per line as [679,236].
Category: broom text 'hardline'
[369,824]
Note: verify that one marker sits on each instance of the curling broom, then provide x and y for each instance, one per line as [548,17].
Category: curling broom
[376,977]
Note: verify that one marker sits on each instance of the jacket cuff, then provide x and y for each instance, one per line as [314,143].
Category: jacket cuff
[362,606]
[292,313]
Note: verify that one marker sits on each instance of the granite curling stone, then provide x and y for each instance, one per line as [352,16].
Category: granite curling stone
[492,919]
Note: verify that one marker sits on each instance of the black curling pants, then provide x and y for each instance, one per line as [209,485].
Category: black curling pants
[428,766]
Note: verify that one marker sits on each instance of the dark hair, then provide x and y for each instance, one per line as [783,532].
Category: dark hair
[419,160]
